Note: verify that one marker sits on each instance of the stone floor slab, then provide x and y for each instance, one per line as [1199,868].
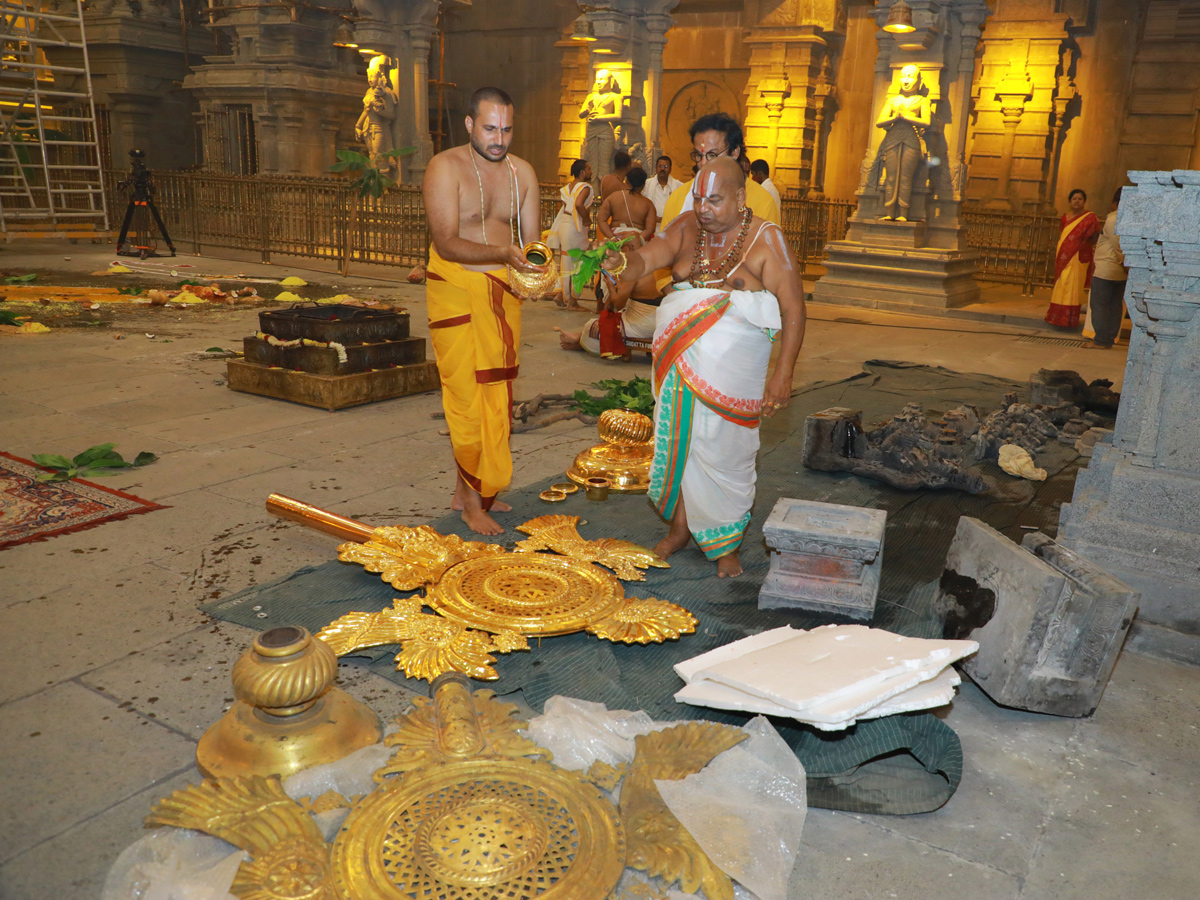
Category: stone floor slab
[108,614]
[91,847]
[187,469]
[241,421]
[72,753]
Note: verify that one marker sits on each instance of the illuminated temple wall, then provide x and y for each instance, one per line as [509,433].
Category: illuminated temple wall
[1066,92]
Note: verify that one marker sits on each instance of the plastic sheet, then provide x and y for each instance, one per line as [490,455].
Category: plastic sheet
[349,776]
[579,732]
[173,864]
[746,809]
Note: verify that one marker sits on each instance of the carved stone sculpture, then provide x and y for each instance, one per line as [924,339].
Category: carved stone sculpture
[905,116]
[602,109]
[374,126]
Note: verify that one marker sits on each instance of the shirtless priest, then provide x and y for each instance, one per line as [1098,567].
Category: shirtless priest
[482,203]
[737,289]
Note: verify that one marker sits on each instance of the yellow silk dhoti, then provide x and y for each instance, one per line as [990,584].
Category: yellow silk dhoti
[475,326]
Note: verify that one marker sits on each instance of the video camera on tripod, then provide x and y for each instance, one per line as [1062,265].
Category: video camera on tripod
[140,184]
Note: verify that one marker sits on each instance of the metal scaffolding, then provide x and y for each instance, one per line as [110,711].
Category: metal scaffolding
[51,178]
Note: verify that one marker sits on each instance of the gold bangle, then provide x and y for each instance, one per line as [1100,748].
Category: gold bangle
[624,263]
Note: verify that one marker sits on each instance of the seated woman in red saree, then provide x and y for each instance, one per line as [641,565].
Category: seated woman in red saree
[1073,263]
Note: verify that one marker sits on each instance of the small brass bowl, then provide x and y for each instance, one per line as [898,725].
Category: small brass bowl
[597,488]
[553,496]
[567,487]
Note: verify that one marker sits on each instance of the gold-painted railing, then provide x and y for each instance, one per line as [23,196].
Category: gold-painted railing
[322,218]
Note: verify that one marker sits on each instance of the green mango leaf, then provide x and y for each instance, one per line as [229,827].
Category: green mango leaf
[91,454]
[20,279]
[144,458]
[129,291]
[51,461]
[53,476]
[575,253]
[8,318]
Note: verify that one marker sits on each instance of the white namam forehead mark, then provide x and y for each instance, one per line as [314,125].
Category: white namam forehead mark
[493,115]
[705,186]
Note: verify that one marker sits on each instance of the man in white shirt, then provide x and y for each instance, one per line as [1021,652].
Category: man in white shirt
[1107,301]
[659,188]
[761,172]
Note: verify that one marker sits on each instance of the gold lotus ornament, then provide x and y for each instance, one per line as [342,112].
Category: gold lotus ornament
[624,454]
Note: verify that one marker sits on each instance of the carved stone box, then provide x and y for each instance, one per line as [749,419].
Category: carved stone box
[1049,623]
[825,557]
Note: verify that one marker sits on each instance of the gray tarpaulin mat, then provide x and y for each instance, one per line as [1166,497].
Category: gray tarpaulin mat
[899,765]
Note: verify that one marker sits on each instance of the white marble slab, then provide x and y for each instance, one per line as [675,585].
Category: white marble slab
[938,691]
[829,676]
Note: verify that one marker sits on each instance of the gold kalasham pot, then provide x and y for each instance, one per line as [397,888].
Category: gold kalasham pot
[532,285]
[623,457]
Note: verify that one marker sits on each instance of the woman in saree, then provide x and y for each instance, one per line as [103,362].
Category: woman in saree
[1073,262]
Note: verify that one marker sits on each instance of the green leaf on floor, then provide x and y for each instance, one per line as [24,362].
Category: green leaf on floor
[20,279]
[636,394]
[8,318]
[94,462]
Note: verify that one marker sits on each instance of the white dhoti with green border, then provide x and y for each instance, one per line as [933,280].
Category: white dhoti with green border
[712,349]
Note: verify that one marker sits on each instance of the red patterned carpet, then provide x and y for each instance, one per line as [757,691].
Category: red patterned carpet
[33,511]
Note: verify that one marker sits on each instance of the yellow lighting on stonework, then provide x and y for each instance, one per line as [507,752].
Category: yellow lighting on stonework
[584,29]
[604,50]
[899,20]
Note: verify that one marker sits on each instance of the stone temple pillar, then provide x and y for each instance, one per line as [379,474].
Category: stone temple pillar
[790,87]
[1136,509]
[925,262]
[625,37]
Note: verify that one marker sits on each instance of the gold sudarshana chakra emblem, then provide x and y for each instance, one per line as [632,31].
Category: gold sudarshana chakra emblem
[488,601]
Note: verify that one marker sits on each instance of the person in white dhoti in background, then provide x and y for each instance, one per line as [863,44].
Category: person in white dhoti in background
[737,289]
[569,230]
[626,311]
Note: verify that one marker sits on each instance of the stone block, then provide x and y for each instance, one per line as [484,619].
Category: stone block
[1049,623]
[1086,444]
[825,557]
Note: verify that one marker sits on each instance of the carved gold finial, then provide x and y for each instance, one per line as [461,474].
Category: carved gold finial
[624,455]
[288,716]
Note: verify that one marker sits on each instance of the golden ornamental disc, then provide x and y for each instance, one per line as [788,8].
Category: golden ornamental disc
[526,592]
[481,829]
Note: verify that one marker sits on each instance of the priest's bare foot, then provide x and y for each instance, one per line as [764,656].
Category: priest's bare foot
[481,523]
[729,566]
[498,505]
[568,340]
[671,543]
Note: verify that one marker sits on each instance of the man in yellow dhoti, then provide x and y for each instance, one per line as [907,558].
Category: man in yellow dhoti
[480,201]
[737,289]
[713,136]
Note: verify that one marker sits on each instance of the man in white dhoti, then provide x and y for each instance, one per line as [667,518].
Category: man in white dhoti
[737,289]
[569,230]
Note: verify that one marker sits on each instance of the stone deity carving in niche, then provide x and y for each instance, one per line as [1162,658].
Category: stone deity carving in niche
[602,109]
[905,117]
[374,126]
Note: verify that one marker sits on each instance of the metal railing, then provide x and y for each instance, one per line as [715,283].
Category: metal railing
[1016,248]
[323,218]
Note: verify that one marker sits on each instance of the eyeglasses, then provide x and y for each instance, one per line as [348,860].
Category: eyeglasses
[697,156]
